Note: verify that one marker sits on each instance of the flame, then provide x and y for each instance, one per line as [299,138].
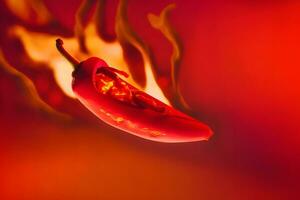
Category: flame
[40,48]
[161,23]
[29,10]
[125,33]
[28,90]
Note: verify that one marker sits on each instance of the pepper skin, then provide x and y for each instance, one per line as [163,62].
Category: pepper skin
[116,102]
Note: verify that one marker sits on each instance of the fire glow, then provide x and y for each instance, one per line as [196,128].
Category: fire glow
[35,44]
[112,52]
[145,112]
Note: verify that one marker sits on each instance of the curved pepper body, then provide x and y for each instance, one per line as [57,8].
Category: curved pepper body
[123,106]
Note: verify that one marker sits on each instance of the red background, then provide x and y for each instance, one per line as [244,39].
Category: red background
[239,73]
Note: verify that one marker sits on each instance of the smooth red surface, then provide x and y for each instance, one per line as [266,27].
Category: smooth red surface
[167,126]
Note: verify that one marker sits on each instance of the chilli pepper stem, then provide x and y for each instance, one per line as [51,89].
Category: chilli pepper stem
[61,49]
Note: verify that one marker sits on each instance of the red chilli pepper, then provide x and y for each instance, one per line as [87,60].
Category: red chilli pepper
[116,102]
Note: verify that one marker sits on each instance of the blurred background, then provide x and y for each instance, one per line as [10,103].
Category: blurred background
[233,65]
